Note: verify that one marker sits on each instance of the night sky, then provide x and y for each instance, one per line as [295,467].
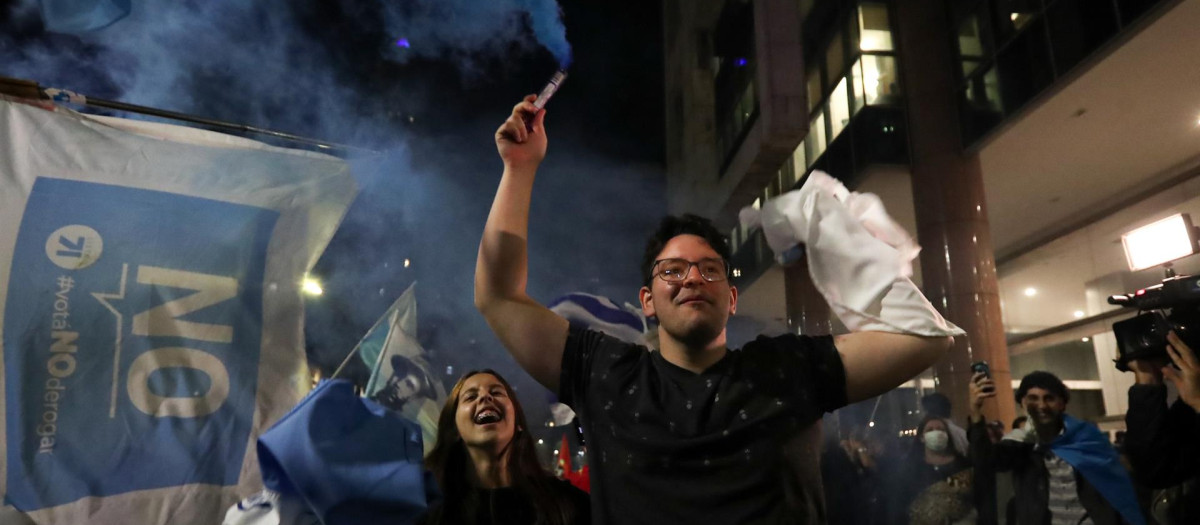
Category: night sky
[332,70]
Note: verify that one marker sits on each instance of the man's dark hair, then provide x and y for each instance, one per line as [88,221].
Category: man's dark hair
[674,226]
[1019,421]
[403,366]
[1044,380]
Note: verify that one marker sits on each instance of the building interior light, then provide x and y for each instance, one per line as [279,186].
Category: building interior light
[1030,292]
[1014,16]
[1160,243]
[311,286]
[1086,339]
[1079,314]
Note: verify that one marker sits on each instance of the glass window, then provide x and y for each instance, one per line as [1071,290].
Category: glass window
[880,83]
[839,109]
[969,66]
[856,83]
[815,143]
[969,43]
[983,91]
[835,58]
[799,164]
[813,78]
[1012,15]
[748,103]
[787,175]
[875,31]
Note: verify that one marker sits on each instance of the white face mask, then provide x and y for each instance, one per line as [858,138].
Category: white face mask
[936,440]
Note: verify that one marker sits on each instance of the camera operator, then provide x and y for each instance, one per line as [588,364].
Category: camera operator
[1162,443]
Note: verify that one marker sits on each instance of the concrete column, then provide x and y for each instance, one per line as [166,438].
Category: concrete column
[957,262]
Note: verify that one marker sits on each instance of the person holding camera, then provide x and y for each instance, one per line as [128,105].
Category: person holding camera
[1163,443]
[1063,470]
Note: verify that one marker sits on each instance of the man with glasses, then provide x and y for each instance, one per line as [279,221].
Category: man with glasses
[692,431]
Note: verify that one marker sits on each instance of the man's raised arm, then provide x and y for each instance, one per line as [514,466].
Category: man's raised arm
[533,334]
[877,362]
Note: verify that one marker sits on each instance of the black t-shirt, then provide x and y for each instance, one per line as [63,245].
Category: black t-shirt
[736,443]
[506,506]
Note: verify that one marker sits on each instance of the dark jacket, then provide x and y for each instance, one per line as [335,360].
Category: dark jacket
[1031,480]
[1163,446]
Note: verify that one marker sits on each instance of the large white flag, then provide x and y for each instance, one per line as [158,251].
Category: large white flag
[150,312]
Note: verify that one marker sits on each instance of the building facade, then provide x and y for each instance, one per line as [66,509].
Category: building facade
[1017,139]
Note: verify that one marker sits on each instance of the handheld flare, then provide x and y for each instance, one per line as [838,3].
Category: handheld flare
[551,88]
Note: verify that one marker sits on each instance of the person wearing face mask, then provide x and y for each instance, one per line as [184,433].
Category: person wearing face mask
[1064,471]
[486,464]
[933,485]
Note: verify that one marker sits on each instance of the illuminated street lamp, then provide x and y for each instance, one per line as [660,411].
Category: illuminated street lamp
[311,286]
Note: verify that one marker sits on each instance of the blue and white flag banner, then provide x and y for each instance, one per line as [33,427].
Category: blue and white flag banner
[150,311]
[603,315]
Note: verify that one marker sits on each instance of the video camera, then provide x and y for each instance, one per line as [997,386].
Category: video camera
[1173,304]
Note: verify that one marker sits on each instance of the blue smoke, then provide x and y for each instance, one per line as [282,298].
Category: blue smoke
[334,71]
[546,21]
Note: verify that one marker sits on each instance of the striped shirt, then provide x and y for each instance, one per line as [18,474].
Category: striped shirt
[1065,508]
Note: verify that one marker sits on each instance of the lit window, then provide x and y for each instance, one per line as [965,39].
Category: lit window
[880,83]
[839,110]
[815,143]
[856,83]
[813,79]
[873,27]
[798,164]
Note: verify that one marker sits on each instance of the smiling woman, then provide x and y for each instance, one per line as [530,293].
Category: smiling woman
[486,464]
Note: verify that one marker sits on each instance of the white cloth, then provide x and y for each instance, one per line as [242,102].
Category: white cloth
[860,259]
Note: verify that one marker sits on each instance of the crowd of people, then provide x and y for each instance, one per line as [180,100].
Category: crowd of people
[693,431]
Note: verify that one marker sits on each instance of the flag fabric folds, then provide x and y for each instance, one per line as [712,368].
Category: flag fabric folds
[400,376]
[350,460]
[603,315]
[150,311]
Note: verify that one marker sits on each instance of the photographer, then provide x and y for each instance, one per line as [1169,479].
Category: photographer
[1162,443]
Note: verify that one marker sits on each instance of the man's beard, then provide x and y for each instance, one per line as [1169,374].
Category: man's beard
[697,335]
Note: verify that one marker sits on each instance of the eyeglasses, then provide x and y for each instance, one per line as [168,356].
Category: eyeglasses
[676,270]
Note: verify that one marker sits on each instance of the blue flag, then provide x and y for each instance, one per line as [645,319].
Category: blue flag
[349,459]
[602,315]
[150,311]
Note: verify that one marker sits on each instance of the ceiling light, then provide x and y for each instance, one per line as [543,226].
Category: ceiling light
[1086,339]
[1161,242]
[1014,16]
[1079,314]
[1030,292]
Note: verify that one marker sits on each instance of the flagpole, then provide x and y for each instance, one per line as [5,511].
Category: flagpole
[353,353]
[30,89]
[382,350]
